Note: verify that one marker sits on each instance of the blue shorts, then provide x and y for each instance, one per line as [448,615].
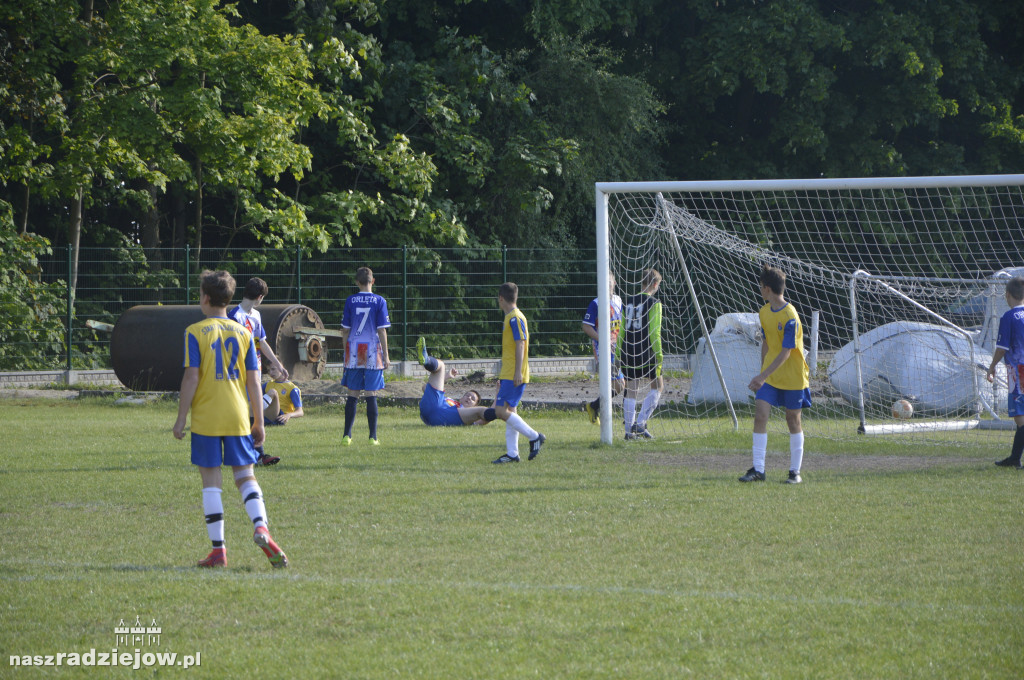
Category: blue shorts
[206,450]
[1015,403]
[436,411]
[509,394]
[791,399]
[368,379]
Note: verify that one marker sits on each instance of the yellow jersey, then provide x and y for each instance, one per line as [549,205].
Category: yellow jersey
[514,329]
[288,395]
[222,350]
[781,329]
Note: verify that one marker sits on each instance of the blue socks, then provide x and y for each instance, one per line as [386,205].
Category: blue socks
[371,416]
[350,414]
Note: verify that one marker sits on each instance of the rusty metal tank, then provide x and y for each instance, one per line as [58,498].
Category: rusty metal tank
[147,346]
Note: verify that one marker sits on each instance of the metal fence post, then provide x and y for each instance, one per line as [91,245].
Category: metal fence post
[298,274]
[405,300]
[504,263]
[71,303]
[188,273]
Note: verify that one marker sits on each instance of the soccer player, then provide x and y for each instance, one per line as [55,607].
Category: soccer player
[220,373]
[246,314]
[285,401]
[784,377]
[364,325]
[639,350]
[1010,346]
[514,375]
[438,410]
[590,319]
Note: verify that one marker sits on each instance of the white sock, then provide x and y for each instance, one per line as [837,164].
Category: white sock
[650,403]
[760,450]
[520,426]
[213,508]
[628,412]
[511,440]
[796,451]
[252,496]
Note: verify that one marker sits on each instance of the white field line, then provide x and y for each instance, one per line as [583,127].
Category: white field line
[82,571]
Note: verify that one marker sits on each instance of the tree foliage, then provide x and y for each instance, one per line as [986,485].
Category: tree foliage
[356,122]
[30,309]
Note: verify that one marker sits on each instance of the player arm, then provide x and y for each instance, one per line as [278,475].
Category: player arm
[779,359]
[591,332]
[655,330]
[517,379]
[268,351]
[297,403]
[996,358]
[189,383]
[382,336]
[252,389]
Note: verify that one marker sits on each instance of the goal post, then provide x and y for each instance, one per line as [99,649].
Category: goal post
[898,282]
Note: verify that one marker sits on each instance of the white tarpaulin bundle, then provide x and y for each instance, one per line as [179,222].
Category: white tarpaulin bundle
[927,364]
[737,341]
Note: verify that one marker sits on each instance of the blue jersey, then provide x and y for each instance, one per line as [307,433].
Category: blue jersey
[438,410]
[364,314]
[253,323]
[1011,339]
[615,316]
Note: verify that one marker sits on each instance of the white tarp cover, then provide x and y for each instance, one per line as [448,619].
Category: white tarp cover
[927,364]
[737,341]
[995,306]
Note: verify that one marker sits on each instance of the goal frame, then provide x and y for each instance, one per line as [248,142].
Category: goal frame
[604,190]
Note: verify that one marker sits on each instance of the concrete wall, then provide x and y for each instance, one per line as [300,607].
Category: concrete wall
[540,367]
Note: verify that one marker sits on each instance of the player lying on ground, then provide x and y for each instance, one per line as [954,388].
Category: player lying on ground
[438,410]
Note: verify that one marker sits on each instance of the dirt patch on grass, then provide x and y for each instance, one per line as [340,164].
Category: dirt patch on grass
[25,393]
[569,393]
[778,464]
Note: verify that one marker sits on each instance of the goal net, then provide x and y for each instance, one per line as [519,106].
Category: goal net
[899,283]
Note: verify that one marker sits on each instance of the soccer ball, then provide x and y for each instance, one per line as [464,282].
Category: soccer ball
[902,409]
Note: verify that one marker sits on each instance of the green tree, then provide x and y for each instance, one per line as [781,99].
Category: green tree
[211,104]
[519,128]
[804,88]
[31,328]
[369,184]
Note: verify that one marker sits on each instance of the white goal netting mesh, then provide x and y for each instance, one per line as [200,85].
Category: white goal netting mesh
[899,290]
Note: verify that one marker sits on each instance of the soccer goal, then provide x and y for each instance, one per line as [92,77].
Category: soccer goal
[898,281]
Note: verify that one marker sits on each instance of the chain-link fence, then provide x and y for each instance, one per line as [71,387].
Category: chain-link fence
[447,295]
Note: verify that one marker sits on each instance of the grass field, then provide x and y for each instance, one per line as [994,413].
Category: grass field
[419,558]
